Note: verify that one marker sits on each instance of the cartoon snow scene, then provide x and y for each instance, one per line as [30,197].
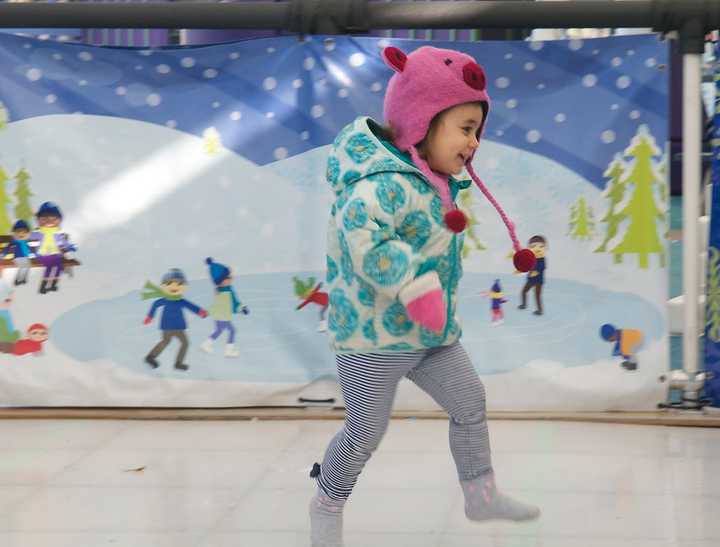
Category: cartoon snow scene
[185,219]
[627,342]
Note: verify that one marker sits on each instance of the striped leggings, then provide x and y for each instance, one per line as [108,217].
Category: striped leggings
[369,382]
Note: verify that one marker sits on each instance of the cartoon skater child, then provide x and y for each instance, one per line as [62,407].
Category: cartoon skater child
[52,245]
[37,334]
[170,297]
[225,305]
[536,276]
[627,343]
[19,248]
[8,334]
[312,295]
[497,299]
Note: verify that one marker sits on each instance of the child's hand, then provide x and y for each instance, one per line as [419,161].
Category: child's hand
[203,314]
[423,299]
[245,310]
[147,320]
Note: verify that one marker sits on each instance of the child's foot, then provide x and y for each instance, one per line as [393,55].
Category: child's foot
[325,521]
[43,287]
[207,346]
[629,365]
[483,501]
[522,306]
[537,312]
[322,327]
[231,351]
[181,366]
[152,362]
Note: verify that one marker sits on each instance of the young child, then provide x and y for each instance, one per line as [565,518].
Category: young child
[37,335]
[20,249]
[170,298]
[627,344]
[52,245]
[393,269]
[497,299]
[225,305]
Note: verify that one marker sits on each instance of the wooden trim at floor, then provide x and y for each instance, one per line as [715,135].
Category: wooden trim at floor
[664,418]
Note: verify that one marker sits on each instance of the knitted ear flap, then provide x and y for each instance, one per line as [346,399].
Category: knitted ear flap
[454,218]
[394,58]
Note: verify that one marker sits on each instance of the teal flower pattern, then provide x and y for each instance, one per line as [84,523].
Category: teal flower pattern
[385,265]
[402,346]
[360,148]
[341,136]
[396,321]
[436,210]
[369,331]
[419,184]
[391,196]
[366,293]
[332,270]
[383,234]
[343,320]
[333,171]
[416,229]
[346,265]
[351,176]
[430,339]
[355,215]
[385,165]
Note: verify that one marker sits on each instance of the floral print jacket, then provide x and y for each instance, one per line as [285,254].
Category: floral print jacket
[385,231]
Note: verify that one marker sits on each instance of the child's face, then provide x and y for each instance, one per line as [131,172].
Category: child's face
[38,335]
[453,139]
[174,288]
[21,234]
[538,249]
[49,221]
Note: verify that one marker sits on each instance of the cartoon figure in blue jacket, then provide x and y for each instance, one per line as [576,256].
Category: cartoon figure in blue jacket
[19,248]
[172,324]
[627,343]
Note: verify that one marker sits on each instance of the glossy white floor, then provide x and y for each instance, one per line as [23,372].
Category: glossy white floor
[245,484]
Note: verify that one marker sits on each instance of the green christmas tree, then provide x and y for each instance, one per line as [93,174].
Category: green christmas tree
[641,237]
[614,191]
[23,209]
[712,313]
[5,222]
[472,241]
[4,116]
[664,189]
[582,225]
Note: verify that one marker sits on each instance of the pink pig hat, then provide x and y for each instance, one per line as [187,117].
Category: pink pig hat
[427,82]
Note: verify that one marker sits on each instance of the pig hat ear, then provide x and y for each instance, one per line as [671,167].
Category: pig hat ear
[394,58]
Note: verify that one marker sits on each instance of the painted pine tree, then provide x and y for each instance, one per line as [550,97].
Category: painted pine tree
[582,224]
[614,192]
[641,237]
[4,116]
[5,223]
[472,241]
[23,208]
[712,306]
[664,189]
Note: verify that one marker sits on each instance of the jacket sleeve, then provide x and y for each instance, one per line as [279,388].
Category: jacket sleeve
[371,247]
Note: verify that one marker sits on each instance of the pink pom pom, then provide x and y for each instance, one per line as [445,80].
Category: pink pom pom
[455,220]
[524,260]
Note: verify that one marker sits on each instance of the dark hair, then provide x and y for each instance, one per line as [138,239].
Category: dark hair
[436,121]
[537,239]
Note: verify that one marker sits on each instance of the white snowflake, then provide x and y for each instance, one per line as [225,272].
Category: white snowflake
[533,136]
[235,115]
[57,56]
[608,136]
[614,106]
[83,82]
[596,52]
[589,80]
[511,103]
[342,93]
[309,63]
[269,83]
[271,50]
[357,59]
[280,153]
[651,62]
[623,82]
[153,99]
[210,73]
[163,69]
[305,135]
[43,36]
[138,67]
[187,62]
[529,66]
[508,56]
[85,56]
[616,61]
[502,82]
[50,99]
[575,45]
[297,83]
[631,52]
[635,114]
[329,44]
[33,74]
[382,44]
[270,115]
[64,38]
[499,132]
[317,111]
[536,45]
[560,118]
[172,124]
[26,46]
[541,86]
[145,52]
[216,104]
[377,86]
[234,55]
[120,90]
